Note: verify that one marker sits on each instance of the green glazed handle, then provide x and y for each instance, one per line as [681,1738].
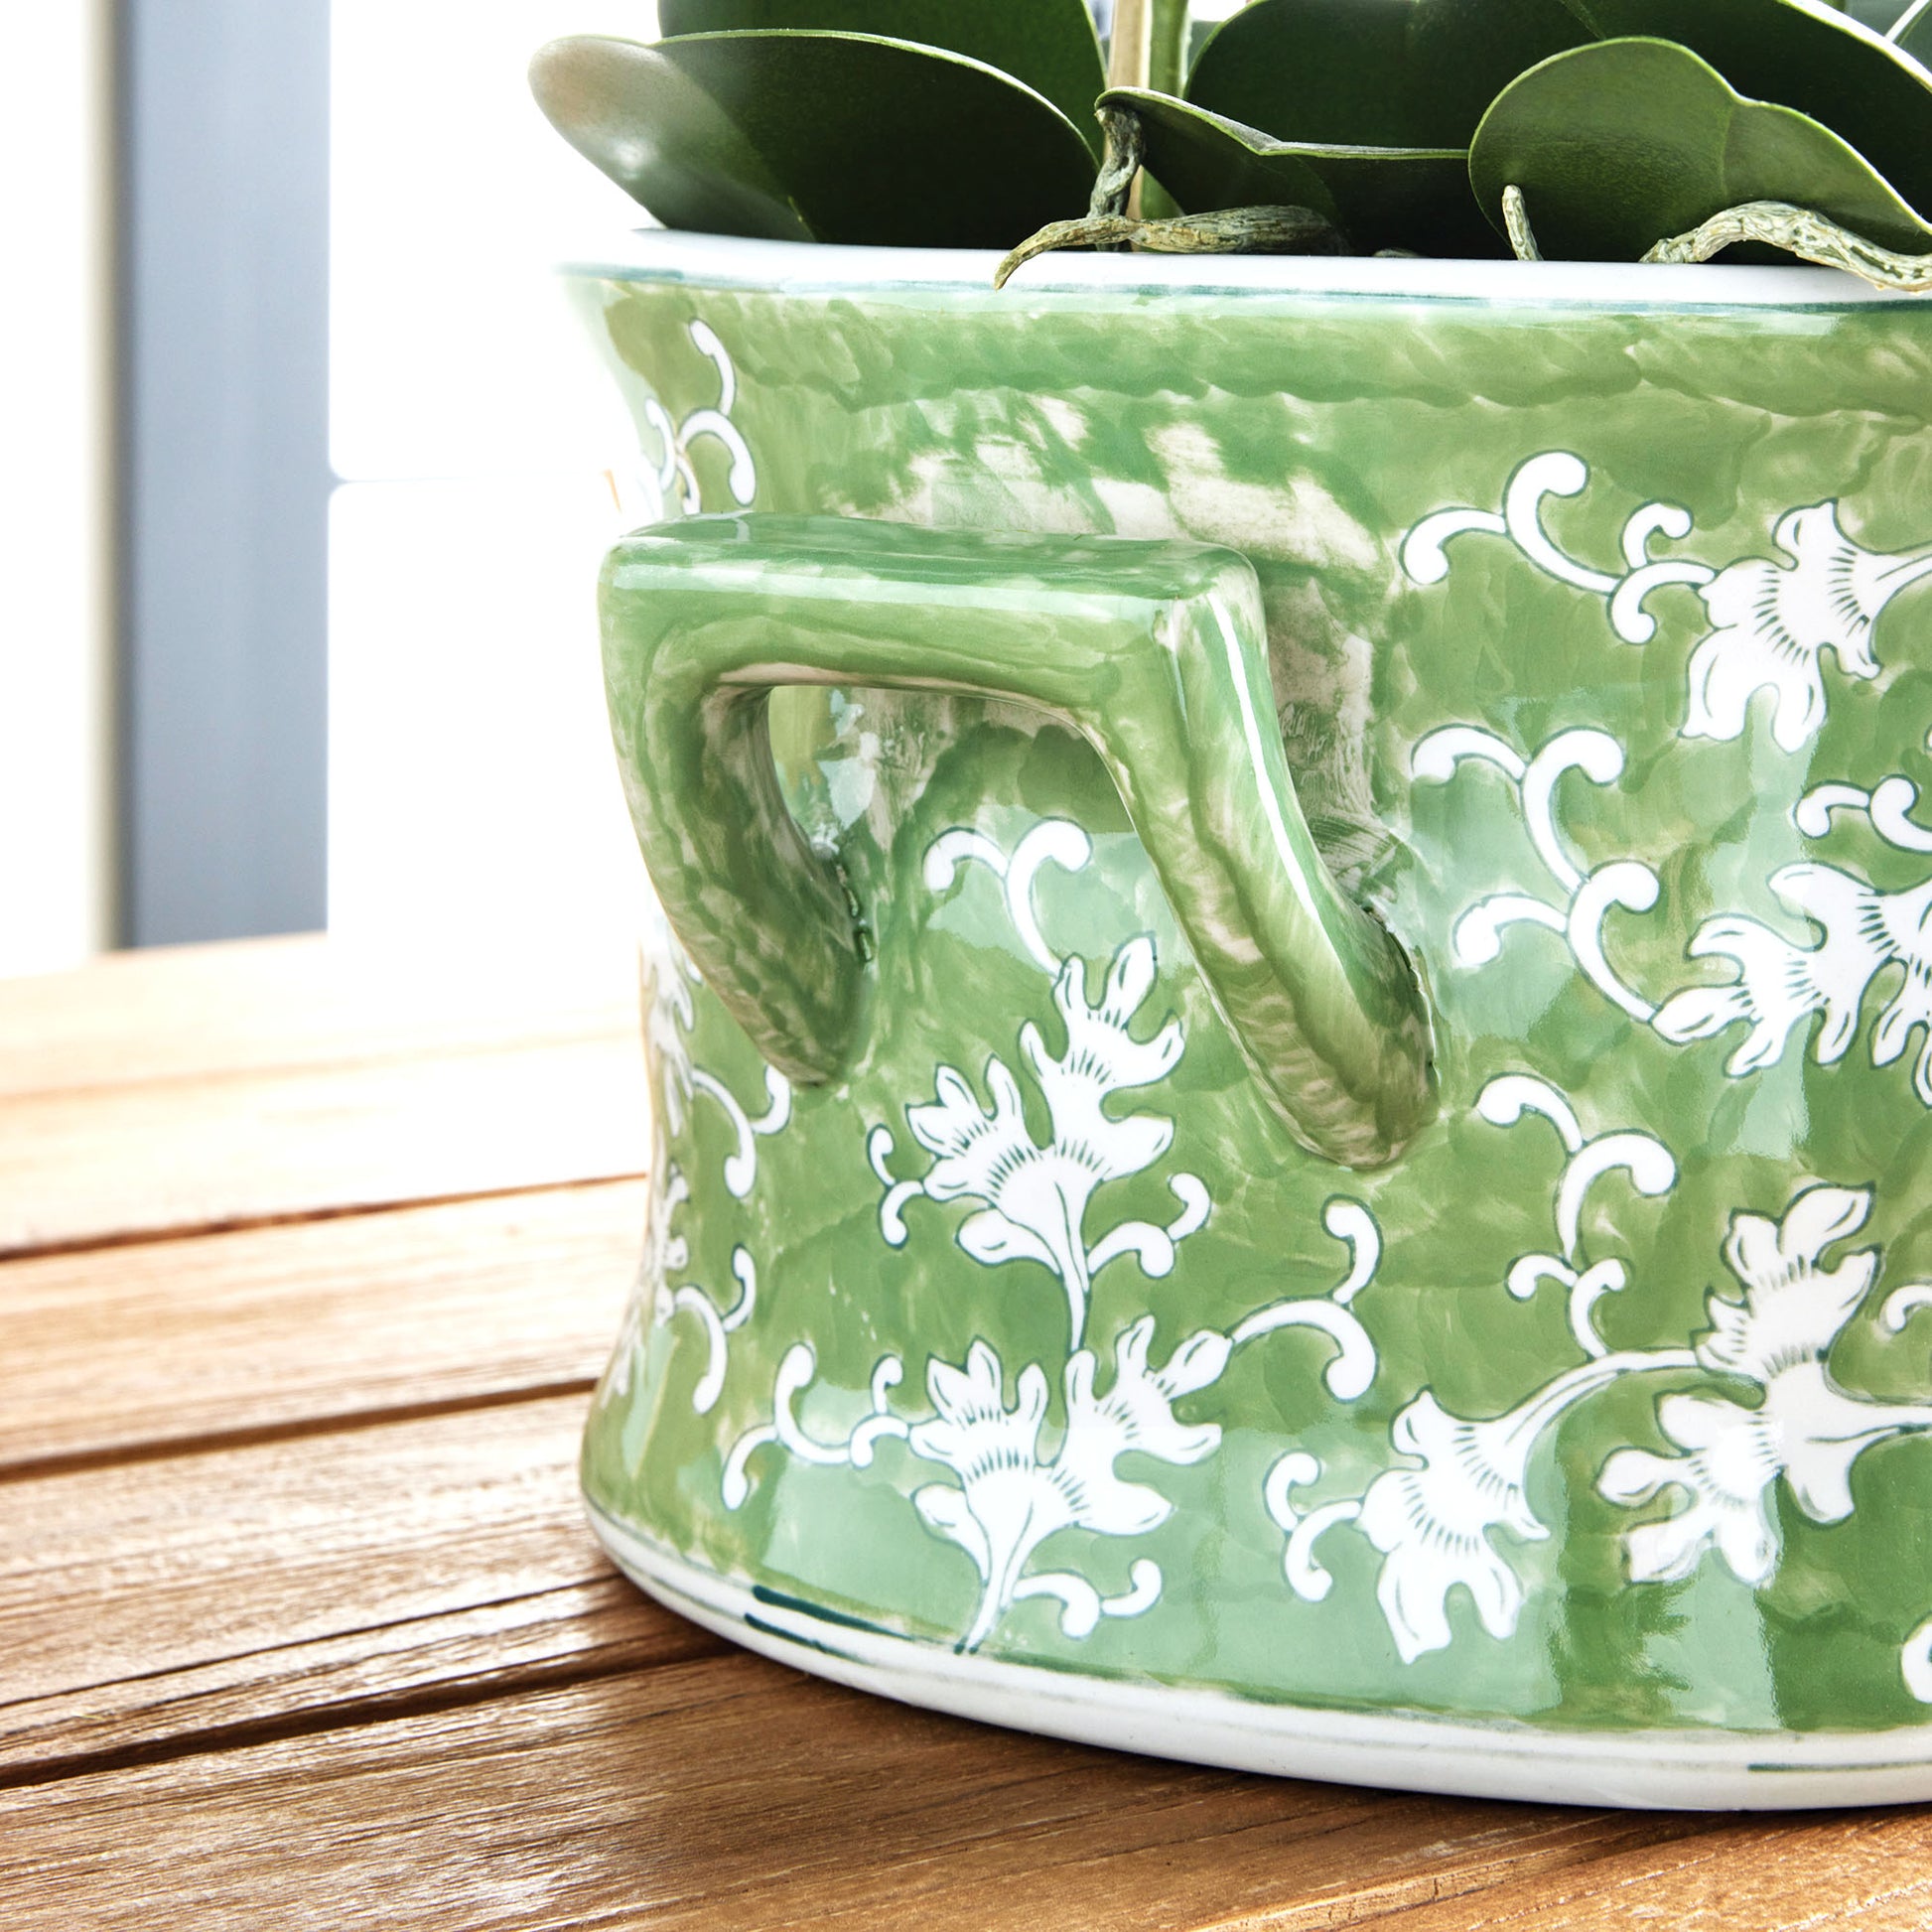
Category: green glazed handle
[1155,652]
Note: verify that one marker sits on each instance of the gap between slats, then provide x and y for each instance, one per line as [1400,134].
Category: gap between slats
[99,1243]
[221,1442]
[144,1604]
[309,1326]
[608,1632]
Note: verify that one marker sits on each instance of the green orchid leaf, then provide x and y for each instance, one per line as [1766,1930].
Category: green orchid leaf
[1617,145]
[1382,73]
[1825,65]
[1050,44]
[1911,31]
[817,137]
[1380,198]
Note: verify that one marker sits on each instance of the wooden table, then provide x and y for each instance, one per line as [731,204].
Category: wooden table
[307,1263]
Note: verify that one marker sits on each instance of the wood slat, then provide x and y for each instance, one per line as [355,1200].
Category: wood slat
[177,1561]
[300,1622]
[179,1605]
[730,1792]
[379,1093]
[169,1342]
[147,1607]
[82,1168]
[248,1007]
[566,1634]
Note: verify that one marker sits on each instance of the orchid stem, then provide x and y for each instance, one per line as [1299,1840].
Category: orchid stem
[1803,233]
[1130,54]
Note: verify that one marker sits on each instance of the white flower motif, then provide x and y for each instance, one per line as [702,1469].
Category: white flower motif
[1006,1500]
[1780,985]
[1432,1524]
[1805,1429]
[1773,622]
[1035,1194]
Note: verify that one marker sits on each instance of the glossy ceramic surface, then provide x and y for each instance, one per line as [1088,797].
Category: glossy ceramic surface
[1534,1363]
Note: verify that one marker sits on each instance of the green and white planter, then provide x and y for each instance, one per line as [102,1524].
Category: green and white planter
[1294,1046]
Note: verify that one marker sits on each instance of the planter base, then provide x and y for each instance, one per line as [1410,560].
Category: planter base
[1692,1771]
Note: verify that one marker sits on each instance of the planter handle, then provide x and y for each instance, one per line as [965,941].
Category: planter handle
[1155,652]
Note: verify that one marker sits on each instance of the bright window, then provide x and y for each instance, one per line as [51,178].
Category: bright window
[470,783]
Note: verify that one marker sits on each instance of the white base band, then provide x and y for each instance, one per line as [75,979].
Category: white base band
[1693,1770]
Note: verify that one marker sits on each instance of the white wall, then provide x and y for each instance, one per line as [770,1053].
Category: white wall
[56,644]
[471,789]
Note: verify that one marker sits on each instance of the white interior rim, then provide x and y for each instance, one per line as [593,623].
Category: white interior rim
[817,268]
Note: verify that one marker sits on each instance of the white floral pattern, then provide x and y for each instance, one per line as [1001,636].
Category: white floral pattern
[1007,1494]
[1769,623]
[1032,1498]
[1772,624]
[653,491]
[1006,1499]
[1014,1480]
[668,1019]
[1434,1524]
[1435,1517]
[1803,1428]
[1780,985]
[1034,1196]
[1584,900]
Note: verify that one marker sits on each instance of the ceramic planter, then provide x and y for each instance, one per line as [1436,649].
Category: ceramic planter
[1295,1071]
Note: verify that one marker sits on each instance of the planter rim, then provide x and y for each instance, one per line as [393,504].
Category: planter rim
[825,269]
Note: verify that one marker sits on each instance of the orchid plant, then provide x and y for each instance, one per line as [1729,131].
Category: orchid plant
[1578,129]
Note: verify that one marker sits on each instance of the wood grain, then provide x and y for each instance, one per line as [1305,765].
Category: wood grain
[80,1168]
[730,1792]
[374,1092]
[181,1606]
[258,1006]
[131,1347]
[162,1565]
[566,1634]
[300,1624]
[1869,1871]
